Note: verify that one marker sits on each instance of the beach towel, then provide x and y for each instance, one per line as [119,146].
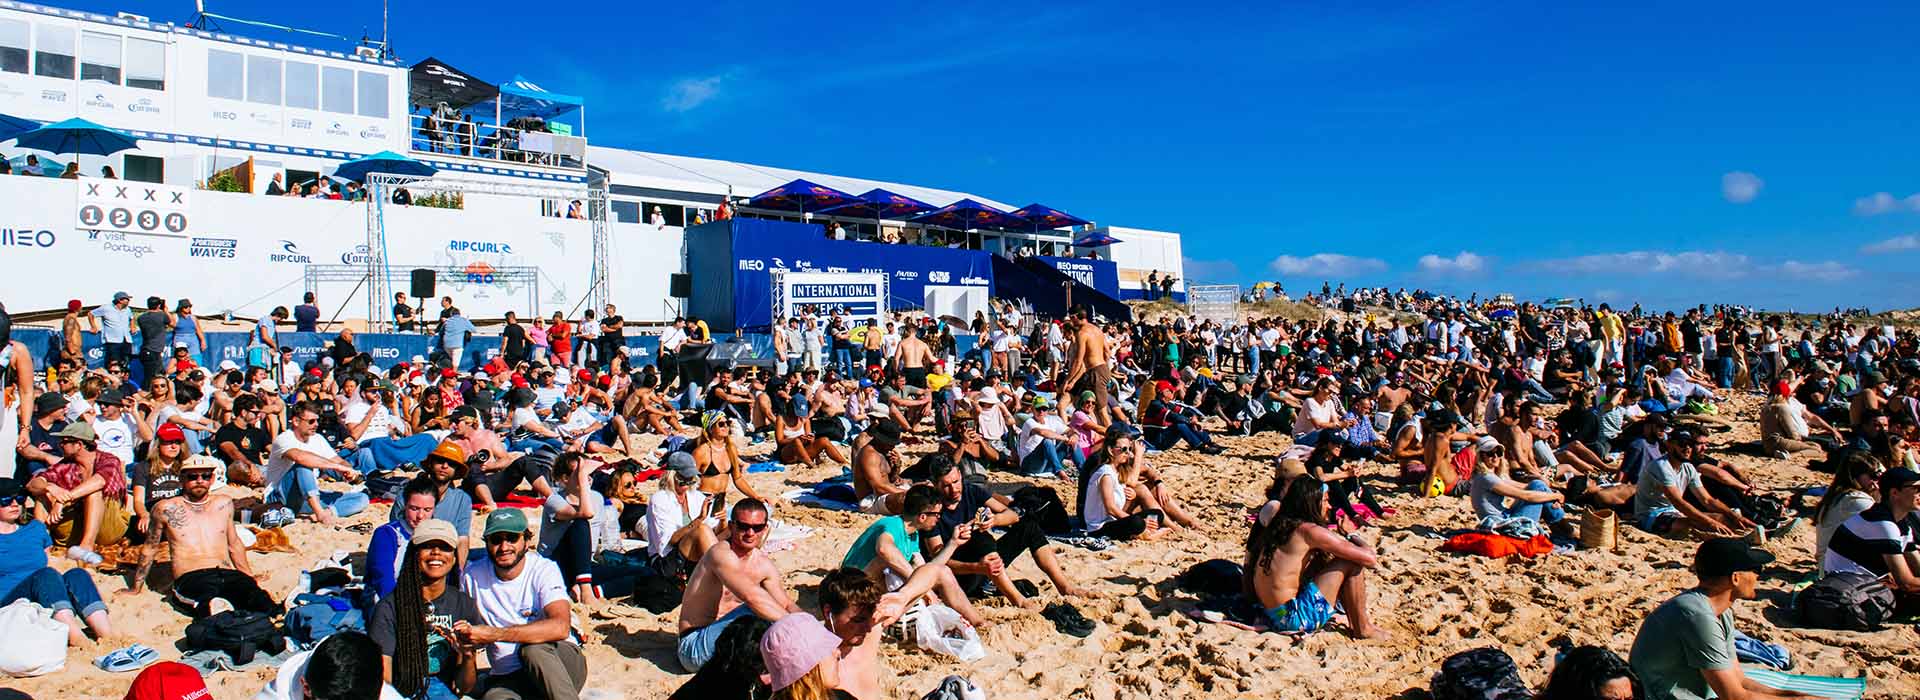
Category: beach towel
[766,467]
[1822,686]
[1753,650]
[1497,546]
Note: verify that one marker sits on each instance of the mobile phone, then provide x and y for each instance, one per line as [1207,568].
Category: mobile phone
[983,516]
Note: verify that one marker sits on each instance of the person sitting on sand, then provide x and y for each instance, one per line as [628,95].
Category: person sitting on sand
[1684,649]
[886,549]
[986,557]
[83,496]
[876,473]
[1671,499]
[733,579]
[680,519]
[24,575]
[209,562]
[1881,541]
[718,459]
[532,651]
[294,464]
[1855,488]
[1119,504]
[414,625]
[1591,673]
[386,551]
[494,472]
[803,660]
[1787,428]
[1292,592]
[1492,484]
[793,433]
[853,604]
[1329,463]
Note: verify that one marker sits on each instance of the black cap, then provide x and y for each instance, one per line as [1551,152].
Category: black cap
[1898,477]
[10,487]
[1659,419]
[466,412]
[48,402]
[1724,556]
[1119,430]
[111,396]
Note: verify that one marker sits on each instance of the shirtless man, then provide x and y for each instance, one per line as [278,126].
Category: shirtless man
[1392,394]
[209,562]
[733,579]
[1294,595]
[876,477]
[1090,362]
[914,357]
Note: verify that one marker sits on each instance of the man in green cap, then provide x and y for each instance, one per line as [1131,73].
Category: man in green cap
[81,496]
[531,649]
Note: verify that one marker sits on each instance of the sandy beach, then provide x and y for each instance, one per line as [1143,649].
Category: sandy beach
[1433,604]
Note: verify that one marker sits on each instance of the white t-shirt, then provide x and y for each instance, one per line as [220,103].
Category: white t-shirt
[993,424]
[279,465]
[116,437]
[381,425]
[664,517]
[1030,440]
[1314,410]
[510,603]
[1095,507]
[1000,340]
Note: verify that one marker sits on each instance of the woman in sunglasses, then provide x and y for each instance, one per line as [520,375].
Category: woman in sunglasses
[1855,483]
[719,459]
[24,573]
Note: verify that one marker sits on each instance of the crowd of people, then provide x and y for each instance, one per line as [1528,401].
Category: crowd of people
[1532,414]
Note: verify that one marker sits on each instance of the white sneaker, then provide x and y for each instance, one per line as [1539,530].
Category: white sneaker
[84,556]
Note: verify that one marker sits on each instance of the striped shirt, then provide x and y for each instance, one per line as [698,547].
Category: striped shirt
[1863,541]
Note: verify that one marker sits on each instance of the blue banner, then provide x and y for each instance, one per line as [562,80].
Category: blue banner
[1102,275]
[761,246]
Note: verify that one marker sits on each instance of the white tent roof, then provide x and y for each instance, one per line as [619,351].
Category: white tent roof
[708,176]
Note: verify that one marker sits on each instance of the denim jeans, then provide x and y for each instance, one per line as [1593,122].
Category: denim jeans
[1534,511]
[535,442]
[843,358]
[1046,458]
[1537,393]
[375,454]
[72,591]
[1174,433]
[1724,372]
[300,482]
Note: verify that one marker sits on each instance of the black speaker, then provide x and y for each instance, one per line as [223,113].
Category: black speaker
[422,283]
[680,285]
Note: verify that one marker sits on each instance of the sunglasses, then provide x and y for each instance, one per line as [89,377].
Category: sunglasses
[503,537]
[193,476]
[14,500]
[750,528]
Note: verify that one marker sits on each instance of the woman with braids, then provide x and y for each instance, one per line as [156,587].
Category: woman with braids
[414,626]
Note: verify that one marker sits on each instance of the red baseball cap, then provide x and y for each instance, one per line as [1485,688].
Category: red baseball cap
[449,373]
[168,680]
[585,374]
[170,432]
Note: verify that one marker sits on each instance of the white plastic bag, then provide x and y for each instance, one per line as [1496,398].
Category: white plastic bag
[942,629]
[36,643]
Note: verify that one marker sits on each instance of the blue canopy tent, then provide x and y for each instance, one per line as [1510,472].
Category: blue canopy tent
[11,126]
[801,196]
[967,215]
[1042,216]
[522,98]
[879,204]
[1094,239]
[388,162]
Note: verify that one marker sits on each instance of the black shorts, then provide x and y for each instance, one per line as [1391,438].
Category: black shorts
[916,376]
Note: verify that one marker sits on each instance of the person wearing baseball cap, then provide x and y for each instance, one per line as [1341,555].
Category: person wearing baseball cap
[1684,649]
[114,323]
[425,608]
[522,596]
[97,518]
[443,468]
[167,680]
[681,520]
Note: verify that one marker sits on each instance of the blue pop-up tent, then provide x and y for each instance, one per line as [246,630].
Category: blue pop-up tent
[520,97]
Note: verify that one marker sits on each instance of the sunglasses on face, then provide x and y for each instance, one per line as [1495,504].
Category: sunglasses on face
[503,538]
[749,527]
[191,477]
[14,500]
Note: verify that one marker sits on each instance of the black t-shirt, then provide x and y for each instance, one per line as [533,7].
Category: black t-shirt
[306,317]
[165,485]
[452,606]
[1690,336]
[973,497]
[610,327]
[401,311]
[342,351]
[513,342]
[153,331]
[252,441]
[42,438]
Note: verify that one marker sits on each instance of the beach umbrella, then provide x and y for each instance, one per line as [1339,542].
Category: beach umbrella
[1042,216]
[11,126]
[1094,239]
[968,214]
[879,204]
[78,137]
[386,162]
[801,196]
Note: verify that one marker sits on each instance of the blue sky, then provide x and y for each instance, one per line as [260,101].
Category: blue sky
[1758,153]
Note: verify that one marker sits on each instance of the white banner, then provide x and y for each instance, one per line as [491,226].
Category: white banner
[860,295]
[1219,302]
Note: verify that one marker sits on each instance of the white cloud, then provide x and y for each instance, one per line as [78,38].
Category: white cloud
[1719,264]
[1465,263]
[1885,203]
[1893,245]
[1206,271]
[687,94]
[1824,271]
[1326,265]
[1740,186]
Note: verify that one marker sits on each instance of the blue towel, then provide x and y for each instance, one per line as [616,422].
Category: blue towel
[1753,650]
[766,467]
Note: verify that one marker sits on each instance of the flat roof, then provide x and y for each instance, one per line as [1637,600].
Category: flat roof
[711,176]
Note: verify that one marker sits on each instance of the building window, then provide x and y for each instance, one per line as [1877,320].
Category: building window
[14,45]
[336,90]
[100,57]
[145,169]
[303,85]
[146,64]
[54,58]
[263,80]
[625,211]
[373,95]
[226,75]
[674,214]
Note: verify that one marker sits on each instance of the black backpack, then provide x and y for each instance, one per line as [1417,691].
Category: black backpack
[1479,674]
[1213,577]
[1846,601]
[239,633]
[1042,503]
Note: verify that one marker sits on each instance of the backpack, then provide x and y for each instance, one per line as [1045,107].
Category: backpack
[239,633]
[1043,504]
[315,617]
[1485,673]
[1846,601]
[1212,577]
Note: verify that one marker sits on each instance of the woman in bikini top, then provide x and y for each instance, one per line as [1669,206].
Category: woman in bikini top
[718,459]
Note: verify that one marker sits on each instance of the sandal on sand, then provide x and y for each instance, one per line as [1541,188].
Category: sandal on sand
[1068,620]
[118,661]
[143,654]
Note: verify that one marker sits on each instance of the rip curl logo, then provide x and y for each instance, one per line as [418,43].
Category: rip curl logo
[494,247]
[292,254]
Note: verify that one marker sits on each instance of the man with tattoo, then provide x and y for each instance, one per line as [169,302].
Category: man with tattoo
[208,560]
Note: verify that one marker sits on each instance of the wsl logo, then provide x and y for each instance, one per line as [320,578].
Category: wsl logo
[292,254]
[358,256]
[212,248]
[480,247]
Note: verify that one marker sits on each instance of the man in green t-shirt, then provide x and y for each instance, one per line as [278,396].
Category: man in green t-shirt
[885,549]
[1685,647]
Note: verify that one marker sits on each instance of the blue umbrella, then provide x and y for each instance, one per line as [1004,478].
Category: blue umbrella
[968,214]
[879,204]
[1094,239]
[78,136]
[800,195]
[11,126]
[1042,216]
[386,162]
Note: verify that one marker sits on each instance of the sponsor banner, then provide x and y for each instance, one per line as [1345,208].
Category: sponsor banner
[760,247]
[859,295]
[137,208]
[1102,275]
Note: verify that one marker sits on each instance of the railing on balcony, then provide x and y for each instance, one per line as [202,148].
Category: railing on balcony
[516,142]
